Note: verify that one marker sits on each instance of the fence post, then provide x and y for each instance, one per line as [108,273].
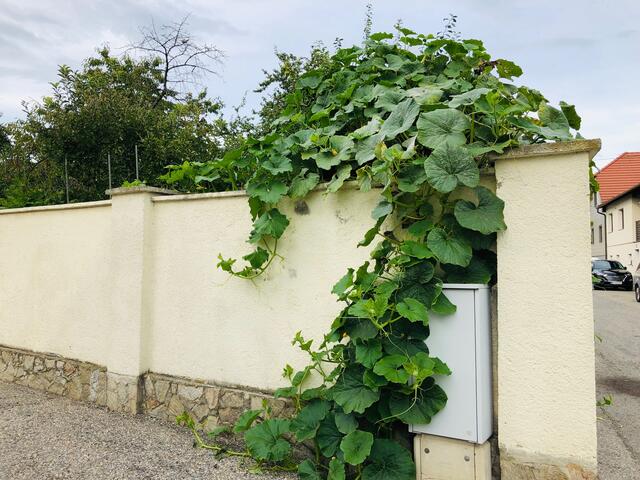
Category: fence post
[546,368]
[131,236]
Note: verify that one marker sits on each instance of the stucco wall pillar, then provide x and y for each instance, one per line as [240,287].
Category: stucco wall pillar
[131,238]
[545,361]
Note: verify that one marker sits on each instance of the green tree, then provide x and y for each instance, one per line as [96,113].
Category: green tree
[148,98]
[281,81]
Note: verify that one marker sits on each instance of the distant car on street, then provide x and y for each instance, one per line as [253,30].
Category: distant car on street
[636,283]
[611,274]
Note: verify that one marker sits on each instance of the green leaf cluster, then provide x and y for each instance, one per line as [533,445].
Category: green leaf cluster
[416,117]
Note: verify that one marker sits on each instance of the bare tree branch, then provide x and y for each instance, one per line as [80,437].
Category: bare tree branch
[182,60]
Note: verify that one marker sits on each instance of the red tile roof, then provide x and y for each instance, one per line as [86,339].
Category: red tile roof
[619,177]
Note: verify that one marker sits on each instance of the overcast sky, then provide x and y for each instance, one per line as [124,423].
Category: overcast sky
[585,52]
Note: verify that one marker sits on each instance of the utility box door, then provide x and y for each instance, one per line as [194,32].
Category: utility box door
[463,341]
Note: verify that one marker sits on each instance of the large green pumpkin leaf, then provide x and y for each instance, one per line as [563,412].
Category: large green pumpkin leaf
[404,345]
[302,185]
[356,446]
[571,115]
[344,172]
[426,293]
[410,178]
[401,119]
[351,393]
[419,273]
[420,409]
[443,305]
[366,149]
[265,441]
[271,223]
[449,166]
[415,249]
[389,461]
[413,310]
[372,127]
[257,258]
[554,122]
[336,470]
[269,191]
[390,367]
[368,352]
[390,99]
[467,98]
[442,127]
[507,69]
[346,422]
[343,284]
[340,150]
[449,249]
[307,471]
[306,423]
[479,270]
[383,209]
[277,164]
[245,420]
[485,216]
[427,95]
[328,436]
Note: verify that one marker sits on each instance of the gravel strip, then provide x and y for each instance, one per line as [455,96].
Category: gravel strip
[44,436]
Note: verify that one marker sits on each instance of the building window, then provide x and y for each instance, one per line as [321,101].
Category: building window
[611,222]
[600,231]
[621,217]
[592,236]
[637,230]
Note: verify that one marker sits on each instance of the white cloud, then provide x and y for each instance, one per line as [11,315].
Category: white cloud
[587,56]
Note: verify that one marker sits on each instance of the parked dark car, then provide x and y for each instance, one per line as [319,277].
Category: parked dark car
[636,283]
[610,274]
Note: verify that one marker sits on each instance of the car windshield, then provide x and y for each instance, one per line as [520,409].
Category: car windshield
[607,265]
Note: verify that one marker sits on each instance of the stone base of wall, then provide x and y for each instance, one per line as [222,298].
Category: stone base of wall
[516,469]
[54,374]
[161,396]
[123,393]
[209,404]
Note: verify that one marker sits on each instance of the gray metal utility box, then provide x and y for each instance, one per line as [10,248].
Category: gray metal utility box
[463,341]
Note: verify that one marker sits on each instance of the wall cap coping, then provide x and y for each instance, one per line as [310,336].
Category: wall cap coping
[61,206]
[348,185]
[139,189]
[591,147]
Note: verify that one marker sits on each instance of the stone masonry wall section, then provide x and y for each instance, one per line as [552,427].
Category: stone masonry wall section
[166,396]
[54,374]
[160,396]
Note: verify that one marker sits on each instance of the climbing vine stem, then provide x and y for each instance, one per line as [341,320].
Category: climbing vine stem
[414,117]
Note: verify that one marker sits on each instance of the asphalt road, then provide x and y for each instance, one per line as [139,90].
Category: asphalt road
[617,317]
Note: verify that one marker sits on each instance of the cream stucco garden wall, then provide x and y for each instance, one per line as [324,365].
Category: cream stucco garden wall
[131,284]
[546,363]
[206,324]
[54,280]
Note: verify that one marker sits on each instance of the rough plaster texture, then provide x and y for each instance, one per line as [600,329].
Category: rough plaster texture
[55,280]
[546,377]
[240,332]
[130,250]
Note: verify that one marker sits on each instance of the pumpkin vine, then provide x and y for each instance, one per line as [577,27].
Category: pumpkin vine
[415,117]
